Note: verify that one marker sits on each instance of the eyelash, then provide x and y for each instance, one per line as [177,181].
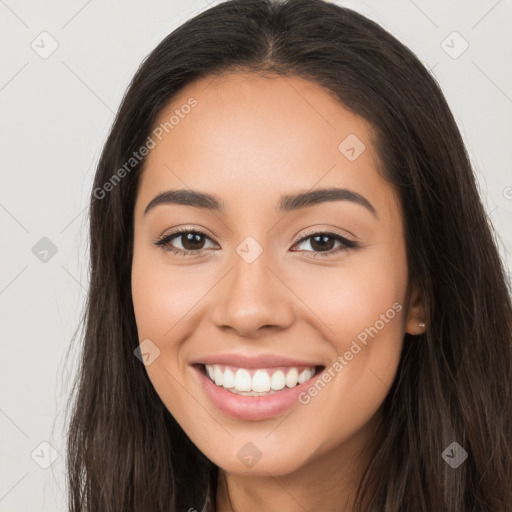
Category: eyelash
[164,243]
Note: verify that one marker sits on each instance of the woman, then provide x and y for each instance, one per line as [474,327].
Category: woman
[296,300]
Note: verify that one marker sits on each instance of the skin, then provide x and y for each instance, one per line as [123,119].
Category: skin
[249,140]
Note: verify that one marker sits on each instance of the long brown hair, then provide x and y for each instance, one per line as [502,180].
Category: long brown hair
[125,450]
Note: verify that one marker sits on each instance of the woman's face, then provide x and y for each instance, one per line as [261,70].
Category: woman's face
[281,282]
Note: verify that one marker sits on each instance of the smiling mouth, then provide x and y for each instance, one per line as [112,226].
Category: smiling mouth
[258,381]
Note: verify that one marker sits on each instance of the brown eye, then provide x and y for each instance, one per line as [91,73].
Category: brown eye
[322,244]
[191,241]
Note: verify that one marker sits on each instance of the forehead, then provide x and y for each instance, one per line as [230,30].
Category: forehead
[248,136]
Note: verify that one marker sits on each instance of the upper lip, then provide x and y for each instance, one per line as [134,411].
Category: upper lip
[261,361]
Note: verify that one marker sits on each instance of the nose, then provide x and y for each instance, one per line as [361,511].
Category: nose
[252,298]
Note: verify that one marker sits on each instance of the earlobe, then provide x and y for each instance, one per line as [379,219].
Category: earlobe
[416,323]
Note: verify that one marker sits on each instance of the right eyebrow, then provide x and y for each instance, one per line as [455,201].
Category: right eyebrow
[187,198]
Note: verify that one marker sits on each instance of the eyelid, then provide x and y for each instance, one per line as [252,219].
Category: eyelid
[164,239]
[324,229]
[346,244]
[187,229]
[332,232]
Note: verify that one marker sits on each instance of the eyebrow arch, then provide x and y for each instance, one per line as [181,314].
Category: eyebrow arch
[286,204]
[323,195]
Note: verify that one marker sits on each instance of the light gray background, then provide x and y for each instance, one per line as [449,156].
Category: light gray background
[55,115]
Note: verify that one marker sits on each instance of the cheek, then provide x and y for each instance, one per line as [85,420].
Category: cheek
[350,299]
[167,303]
[163,296]
[370,305]
[362,312]
[163,301]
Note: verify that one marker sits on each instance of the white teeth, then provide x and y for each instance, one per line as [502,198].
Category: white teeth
[277,381]
[262,381]
[218,375]
[304,376]
[291,377]
[229,379]
[242,380]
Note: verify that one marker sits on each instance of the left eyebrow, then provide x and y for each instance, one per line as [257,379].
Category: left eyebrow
[323,195]
[287,203]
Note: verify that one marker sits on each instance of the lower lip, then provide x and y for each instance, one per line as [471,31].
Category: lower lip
[251,407]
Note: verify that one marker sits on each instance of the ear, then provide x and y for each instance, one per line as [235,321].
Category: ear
[415,321]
